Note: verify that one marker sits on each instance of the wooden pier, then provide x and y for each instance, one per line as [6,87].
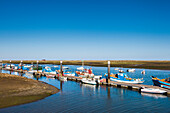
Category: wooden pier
[130,86]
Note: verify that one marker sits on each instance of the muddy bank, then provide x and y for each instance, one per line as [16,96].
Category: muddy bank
[15,90]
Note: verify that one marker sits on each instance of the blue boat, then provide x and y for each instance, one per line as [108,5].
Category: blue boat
[122,77]
[165,83]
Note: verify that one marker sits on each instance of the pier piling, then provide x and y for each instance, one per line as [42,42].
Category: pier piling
[108,78]
[61,68]
[37,65]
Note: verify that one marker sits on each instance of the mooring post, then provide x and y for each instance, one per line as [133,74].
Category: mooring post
[21,64]
[82,63]
[37,65]
[10,64]
[108,78]
[61,68]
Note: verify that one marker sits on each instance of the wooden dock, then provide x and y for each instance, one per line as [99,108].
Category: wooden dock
[130,86]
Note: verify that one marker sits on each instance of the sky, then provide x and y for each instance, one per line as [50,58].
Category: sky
[85,29]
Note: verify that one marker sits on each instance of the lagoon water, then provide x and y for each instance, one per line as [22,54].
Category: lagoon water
[78,97]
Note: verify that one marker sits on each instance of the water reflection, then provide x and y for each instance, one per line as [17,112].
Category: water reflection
[76,97]
[108,92]
[93,89]
[156,96]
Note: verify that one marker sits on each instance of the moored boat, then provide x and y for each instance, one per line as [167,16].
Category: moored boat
[165,83]
[85,73]
[121,71]
[143,72]
[91,81]
[122,77]
[116,69]
[131,70]
[153,91]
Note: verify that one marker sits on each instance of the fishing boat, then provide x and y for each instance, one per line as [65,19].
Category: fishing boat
[165,83]
[47,70]
[122,77]
[85,73]
[91,81]
[152,90]
[131,70]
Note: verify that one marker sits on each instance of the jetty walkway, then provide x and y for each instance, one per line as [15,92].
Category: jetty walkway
[131,86]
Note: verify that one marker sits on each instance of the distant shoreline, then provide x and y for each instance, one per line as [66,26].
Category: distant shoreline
[16,90]
[160,65]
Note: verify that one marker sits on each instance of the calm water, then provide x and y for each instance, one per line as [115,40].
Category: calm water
[77,97]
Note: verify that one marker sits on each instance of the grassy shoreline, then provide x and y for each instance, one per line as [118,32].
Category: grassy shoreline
[16,90]
[160,65]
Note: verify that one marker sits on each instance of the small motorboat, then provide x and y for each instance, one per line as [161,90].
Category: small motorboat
[143,72]
[131,70]
[121,71]
[152,90]
[50,76]
[62,78]
[80,68]
[165,83]
[116,69]
[91,81]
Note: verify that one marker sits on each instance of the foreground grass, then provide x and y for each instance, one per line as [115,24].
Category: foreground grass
[162,65]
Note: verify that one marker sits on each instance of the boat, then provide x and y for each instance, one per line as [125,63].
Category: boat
[68,73]
[121,71]
[131,70]
[116,69]
[47,70]
[62,78]
[165,83]
[91,81]
[143,72]
[64,67]
[152,90]
[122,77]
[50,76]
[85,73]
[80,68]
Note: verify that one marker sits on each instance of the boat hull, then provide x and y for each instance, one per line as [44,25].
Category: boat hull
[161,83]
[126,81]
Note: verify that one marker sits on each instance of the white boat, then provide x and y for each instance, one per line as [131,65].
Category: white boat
[116,69]
[153,91]
[63,78]
[80,68]
[131,70]
[64,67]
[33,71]
[121,71]
[50,76]
[92,81]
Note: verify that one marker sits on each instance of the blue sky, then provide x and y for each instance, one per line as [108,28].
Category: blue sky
[85,29]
